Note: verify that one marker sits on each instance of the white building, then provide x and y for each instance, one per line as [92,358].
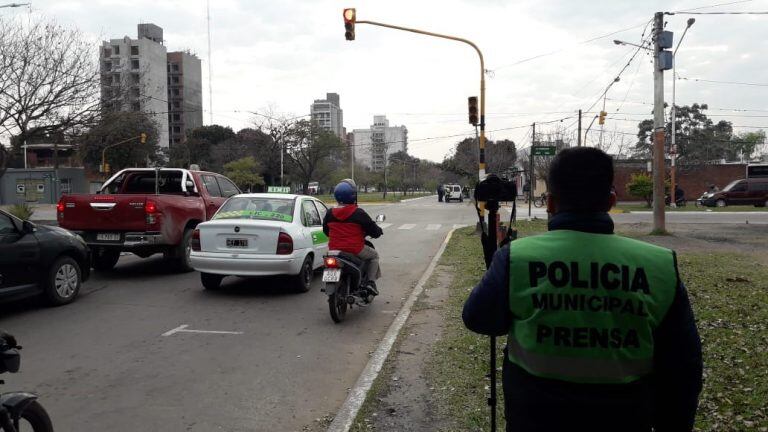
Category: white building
[134,76]
[374,145]
[327,113]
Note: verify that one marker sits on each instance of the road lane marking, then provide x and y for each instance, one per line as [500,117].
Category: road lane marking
[457,226]
[183,329]
[348,411]
[407,226]
[433,227]
[385,225]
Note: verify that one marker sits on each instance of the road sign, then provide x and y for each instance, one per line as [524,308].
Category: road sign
[278,189]
[544,150]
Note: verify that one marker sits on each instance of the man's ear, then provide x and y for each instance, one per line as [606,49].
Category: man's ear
[612,201]
[551,206]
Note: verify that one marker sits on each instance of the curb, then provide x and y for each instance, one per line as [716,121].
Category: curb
[342,422]
[414,199]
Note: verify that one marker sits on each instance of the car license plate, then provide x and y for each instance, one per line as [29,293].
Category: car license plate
[237,243]
[107,237]
[331,275]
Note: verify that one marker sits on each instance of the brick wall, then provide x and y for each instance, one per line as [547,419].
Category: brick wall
[693,180]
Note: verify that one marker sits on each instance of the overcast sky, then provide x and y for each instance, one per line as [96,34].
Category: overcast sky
[284,54]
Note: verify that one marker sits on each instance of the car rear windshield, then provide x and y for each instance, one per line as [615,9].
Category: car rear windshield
[168,182]
[277,209]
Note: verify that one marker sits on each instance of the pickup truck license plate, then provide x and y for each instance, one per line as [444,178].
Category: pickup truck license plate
[331,275]
[237,243]
[107,237]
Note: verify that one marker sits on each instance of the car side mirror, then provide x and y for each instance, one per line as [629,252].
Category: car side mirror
[28,227]
[380,218]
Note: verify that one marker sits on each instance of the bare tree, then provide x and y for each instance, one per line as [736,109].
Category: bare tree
[49,80]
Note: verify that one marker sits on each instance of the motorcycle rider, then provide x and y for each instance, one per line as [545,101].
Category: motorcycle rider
[347,226]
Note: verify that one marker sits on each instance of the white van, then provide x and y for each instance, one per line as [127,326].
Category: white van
[453,192]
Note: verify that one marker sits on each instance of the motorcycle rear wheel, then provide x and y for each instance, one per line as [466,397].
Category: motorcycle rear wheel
[337,302]
[34,415]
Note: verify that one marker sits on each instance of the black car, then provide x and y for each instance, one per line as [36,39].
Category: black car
[40,260]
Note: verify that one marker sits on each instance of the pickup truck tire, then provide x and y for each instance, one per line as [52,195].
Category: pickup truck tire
[105,259]
[211,281]
[183,251]
[62,283]
[302,282]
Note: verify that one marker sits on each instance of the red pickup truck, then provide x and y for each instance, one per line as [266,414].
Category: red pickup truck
[145,211]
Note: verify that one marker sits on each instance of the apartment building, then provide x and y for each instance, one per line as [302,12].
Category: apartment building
[374,145]
[327,114]
[185,95]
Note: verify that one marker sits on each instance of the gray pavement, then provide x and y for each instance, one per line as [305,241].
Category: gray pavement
[102,363]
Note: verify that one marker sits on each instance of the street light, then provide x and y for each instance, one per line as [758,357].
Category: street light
[673,114]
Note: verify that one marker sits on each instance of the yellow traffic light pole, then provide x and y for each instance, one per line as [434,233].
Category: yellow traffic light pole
[142,138]
[481,172]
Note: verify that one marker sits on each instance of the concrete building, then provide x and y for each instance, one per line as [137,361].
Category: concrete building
[134,76]
[327,113]
[374,145]
[185,95]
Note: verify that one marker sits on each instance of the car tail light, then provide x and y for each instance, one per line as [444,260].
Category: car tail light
[284,244]
[60,206]
[195,242]
[150,208]
[331,262]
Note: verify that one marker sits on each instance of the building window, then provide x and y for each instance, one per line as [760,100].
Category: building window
[176,117]
[116,49]
[176,104]
[136,106]
[107,52]
[135,78]
[175,80]
[135,92]
[115,79]
[134,50]
[177,140]
[108,66]
[174,67]
[176,129]
[175,92]
[135,64]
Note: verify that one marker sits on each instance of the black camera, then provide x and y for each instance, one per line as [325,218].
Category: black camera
[493,188]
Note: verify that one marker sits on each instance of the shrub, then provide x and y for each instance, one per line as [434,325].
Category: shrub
[22,211]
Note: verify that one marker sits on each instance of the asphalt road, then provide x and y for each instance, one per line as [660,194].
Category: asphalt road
[103,362]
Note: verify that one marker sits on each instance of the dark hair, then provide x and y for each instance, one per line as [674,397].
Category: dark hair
[580,180]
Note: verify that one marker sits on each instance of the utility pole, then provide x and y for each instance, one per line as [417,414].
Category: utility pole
[210,68]
[673,114]
[532,180]
[659,224]
[579,134]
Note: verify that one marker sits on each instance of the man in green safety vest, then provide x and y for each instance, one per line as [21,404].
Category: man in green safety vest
[600,332]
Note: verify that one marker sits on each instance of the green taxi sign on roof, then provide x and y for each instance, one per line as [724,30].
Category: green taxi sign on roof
[279,189]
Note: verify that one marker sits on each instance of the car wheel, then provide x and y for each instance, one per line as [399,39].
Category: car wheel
[720,203]
[302,282]
[183,251]
[63,281]
[211,281]
[105,259]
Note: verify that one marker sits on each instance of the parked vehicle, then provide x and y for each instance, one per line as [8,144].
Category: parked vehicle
[145,211]
[19,411]
[453,192]
[752,191]
[346,281]
[40,260]
[541,201]
[262,235]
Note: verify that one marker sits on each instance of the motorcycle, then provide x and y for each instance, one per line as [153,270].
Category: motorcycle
[346,281]
[19,409]
[679,201]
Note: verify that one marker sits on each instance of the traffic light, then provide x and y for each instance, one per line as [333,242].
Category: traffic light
[601,119]
[143,138]
[349,23]
[105,168]
[472,101]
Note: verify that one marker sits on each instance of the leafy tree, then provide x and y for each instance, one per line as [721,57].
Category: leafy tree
[245,173]
[744,145]
[113,128]
[308,148]
[199,147]
[640,185]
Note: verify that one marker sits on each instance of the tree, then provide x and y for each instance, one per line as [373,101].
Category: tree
[699,140]
[199,147]
[115,127]
[744,145]
[49,81]
[307,148]
[640,185]
[244,172]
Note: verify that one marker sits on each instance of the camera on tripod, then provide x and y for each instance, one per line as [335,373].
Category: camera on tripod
[494,188]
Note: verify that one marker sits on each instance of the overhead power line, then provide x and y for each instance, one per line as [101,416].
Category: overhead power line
[712,6]
[723,82]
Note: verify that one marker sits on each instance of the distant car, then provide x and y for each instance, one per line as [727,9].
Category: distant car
[262,235]
[753,191]
[40,260]
[453,192]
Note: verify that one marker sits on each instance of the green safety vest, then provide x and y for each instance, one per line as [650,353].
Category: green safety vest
[584,305]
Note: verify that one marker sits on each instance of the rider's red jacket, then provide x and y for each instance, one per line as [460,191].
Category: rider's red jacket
[346,227]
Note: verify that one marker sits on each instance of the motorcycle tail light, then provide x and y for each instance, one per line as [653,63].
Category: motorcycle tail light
[331,262]
[195,242]
[284,244]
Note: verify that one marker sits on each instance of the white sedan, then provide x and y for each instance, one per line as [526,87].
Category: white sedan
[261,235]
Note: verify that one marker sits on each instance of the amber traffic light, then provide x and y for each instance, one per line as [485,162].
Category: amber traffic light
[472,101]
[601,119]
[143,138]
[349,24]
